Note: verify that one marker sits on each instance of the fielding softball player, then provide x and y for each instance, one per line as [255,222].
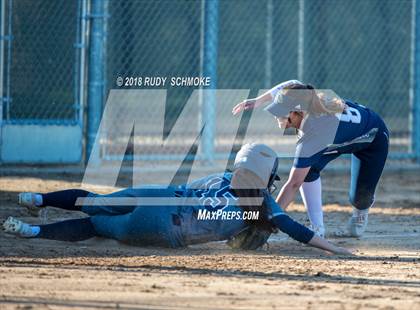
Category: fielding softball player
[327,126]
[255,170]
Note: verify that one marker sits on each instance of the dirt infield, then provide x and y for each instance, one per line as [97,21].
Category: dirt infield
[104,274]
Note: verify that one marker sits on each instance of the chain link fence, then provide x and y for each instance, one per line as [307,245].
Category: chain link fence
[360,49]
[40,61]
[153,39]
[364,50]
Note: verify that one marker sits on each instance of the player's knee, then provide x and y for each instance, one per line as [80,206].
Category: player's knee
[361,199]
[312,175]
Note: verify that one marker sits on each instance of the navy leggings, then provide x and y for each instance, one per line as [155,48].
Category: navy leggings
[367,165]
[69,230]
[129,224]
[64,199]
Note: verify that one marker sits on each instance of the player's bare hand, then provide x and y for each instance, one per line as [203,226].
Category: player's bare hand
[247,104]
[344,251]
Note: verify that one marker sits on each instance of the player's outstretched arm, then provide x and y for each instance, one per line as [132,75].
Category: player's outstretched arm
[296,230]
[323,244]
[264,98]
[303,234]
[254,103]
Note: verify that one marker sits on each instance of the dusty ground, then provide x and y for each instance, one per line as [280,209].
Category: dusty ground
[104,274]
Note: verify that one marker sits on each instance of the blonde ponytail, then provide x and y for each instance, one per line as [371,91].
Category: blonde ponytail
[330,102]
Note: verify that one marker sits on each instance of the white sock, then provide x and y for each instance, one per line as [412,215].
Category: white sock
[311,193]
[38,200]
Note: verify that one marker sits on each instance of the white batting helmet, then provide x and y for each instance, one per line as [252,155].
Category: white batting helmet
[260,159]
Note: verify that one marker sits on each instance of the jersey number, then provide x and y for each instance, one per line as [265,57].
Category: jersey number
[351,115]
[215,189]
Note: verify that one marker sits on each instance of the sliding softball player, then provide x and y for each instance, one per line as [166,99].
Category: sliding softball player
[216,212]
[328,127]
